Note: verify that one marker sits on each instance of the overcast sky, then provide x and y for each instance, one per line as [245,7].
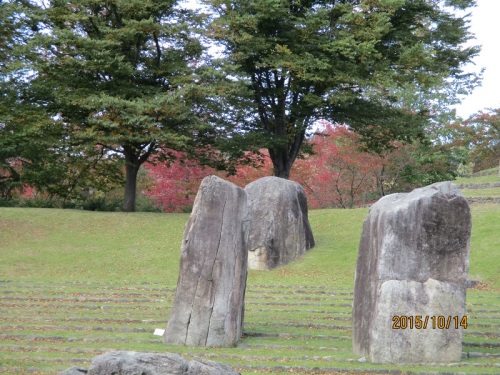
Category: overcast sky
[486,27]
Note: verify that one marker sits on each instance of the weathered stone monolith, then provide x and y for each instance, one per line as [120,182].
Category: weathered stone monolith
[280,232]
[208,303]
[134,363]
[413,261]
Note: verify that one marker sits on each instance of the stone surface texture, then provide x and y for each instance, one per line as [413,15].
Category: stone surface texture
[413,260]
[208,304]
[134,363]
[280,232]
[74,371]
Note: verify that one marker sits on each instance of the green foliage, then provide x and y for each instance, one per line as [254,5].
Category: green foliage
[91,89]
[431,164]
[347,61]
[108,80]
[97,202]
[476,140]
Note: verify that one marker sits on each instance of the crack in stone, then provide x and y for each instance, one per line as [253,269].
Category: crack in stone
[212,276]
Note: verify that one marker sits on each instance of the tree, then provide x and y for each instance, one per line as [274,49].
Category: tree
[117,77]
[475,141]
[338,174]
[343,60]
[34,153]
[405,167]
[175,183]
[341,173]
[9,28]
[484,138]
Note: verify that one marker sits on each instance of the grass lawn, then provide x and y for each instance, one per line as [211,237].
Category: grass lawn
[75,284]
[49,244]
[485,244]
[489,192]
[493,177]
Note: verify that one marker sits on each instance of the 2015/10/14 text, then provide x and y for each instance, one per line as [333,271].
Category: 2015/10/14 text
[424,322]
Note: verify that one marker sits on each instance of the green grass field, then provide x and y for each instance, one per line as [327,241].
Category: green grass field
[490,175]
[71,245]
[489,192]
[75,284]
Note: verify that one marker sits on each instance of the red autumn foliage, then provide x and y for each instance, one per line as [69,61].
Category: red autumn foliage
[338,174]
[175,184]
[11,183]
[248,173]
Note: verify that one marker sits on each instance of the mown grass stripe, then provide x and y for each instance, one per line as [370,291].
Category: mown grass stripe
[490,329]
[249,317]
[87,307]
[83,320]
[112,303]
[109,285]
[84,352]
[30,337]
[305,325]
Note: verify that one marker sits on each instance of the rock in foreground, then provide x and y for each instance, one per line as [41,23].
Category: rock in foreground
[208,303]
[280,232]
[413,261]
[133,363]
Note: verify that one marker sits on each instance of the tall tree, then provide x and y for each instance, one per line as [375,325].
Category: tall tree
[346,60]
[116,76]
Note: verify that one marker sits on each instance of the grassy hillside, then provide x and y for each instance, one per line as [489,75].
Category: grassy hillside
[489,175]
[75,284]
[46,244]
[51,244]
[485,244]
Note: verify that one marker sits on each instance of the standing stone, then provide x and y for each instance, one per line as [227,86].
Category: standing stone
[413,261]
[280,232]
[208,304]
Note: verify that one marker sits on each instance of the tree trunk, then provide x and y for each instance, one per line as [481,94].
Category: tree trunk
[283,156]
[132,166]
[135,156]
[281,164]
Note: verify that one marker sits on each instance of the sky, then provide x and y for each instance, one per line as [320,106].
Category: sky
[486,27]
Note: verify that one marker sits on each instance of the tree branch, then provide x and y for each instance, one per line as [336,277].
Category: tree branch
[158,50]
[258,100]
[145,156]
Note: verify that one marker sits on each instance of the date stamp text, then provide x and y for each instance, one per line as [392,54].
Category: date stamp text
[426,321]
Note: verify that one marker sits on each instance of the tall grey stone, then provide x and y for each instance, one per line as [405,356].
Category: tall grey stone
[280,232]
[134,363]
[413,261]
[208,304]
